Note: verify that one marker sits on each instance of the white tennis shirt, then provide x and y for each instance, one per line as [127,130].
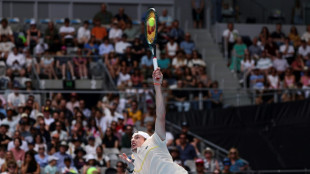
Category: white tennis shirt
[153,157]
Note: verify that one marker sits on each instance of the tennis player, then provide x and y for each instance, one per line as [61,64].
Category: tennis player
[150,153]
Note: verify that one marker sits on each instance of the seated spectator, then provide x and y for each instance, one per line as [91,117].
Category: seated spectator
[33,35]
[15,98]
[137,78]
[181,97]
[165,19]
[63,136]
[134,113]
[91,165]
[91,49]
[40,48]
[30,165]
[80,63]
[113,63]
[79,160]
[200,168]
[31,61]
[305,79]
[289,79]
[264,63]
[230,36]
[187,151]
[109,140]
[179,61]
[298,67]
[176,32]
[73,102]
[287,50]
[52,168]
[304,49]
[247,65]
[280,64]
[171,48]
[6,45]
[131,32]
[257,79]
[306,35]
[98,31]
[237,165]
[264,34]
[294,36]
[120,167]
[138,49]
[104,16]
[102,159]
[273,79]
[47,65]
[12,167]
[68,168]
[90,148]
[120,46]
[123,78]
[278,36]
[105,48]
[126,137]
[115,33]
[5,29]
[164,62]
[61,154]
[63,63]
[41,157]
[147,64]
[226,168]
[187,45]
[122,17]
[15,62]
[210,163]
[216,95]
[83,34]
[18,153]
[271,48]
[255,50]
[51,37]
[67,33]
[239,49]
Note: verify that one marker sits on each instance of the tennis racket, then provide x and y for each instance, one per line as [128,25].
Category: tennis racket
[151,33]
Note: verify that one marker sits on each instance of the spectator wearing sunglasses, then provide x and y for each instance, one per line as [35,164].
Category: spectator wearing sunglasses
[237,165]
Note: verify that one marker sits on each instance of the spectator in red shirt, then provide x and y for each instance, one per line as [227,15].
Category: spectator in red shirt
[18,153]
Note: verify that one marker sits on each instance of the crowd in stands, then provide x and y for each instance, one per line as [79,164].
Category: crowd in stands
[272,62]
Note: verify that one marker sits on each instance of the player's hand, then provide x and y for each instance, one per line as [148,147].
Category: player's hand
[128,161]
[157,76]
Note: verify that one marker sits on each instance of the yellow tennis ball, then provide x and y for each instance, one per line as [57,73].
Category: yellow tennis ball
[151,22]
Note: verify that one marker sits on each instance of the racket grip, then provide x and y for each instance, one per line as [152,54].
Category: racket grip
[155,64]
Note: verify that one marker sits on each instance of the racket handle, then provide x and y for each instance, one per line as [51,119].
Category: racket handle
[155,64]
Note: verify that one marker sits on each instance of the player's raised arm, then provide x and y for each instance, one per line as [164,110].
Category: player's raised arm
[160,106]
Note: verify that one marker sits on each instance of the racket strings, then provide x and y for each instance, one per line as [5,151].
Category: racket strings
[151,31]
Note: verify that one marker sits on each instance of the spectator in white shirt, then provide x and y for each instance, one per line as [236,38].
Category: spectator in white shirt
[264,63]
[15,98]
[287,50]
[230,36]
[121,45]
[91,147]
[123,78]
[115,33]
[15,61]
[5,29]
[67,33]
[83,34]
[306,35]
[304,49]
[105,48]
[280,64]
[6,45]
[165,18]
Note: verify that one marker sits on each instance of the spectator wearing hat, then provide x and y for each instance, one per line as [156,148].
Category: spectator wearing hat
[78,160]
[102,159]
[200,169]
[187,151]
[237,164]
[90,163]
[4,138]
[63,135]
[52,168]
[61,154]
[68,168]
[210,163]
[226,164]
[41,157]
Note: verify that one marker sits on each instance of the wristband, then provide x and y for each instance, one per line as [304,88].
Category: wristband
[157,84]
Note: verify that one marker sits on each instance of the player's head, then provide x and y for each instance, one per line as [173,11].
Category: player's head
[138,139]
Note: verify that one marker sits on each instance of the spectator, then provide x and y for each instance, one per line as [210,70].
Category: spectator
[200,169]
[247,65]
[239,49]
[125,143]
[138,49]
[164,62]
[257,79]
[48,120]
[51,36]
[171,48]
[115,33]
[306,35]
[176,32]
[5,29]
[6,45]
[287,50]
[216,95]
[280,64]
[271,48]
[289,79]
[147,64]
[278,36]
[33,36]
[297,13]
[181,97]
[61,154]
[304,49]
[131,31]
[121,45]
[85,110]
[165,19]
[15,98]
[187,45]
[273,79]
[98,31]
[102,159]
[91,165]
[80,63]
[105,49]
[78,160]
[68,168]
[264,63]
[30,165]
[198,12]
[179,61]
[63,62]
[15,62]
[298,67]
[210,164]
[67,33]
[10,121]
[63,136]
[52,168]
[47,65]
[12,167]
[264,34]
[237,165]
[230,36]
[255,50]
[123,78]
[122,17]
[294,36]
[134,113]
[103,15]
[83,34]
[18,153]
[120,167]
[187,151]
[91,148]
[41,157]
[226,164]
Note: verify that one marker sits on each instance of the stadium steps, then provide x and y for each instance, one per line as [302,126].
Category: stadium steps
[217,68]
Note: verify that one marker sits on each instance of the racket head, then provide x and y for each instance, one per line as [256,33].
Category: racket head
[151,31]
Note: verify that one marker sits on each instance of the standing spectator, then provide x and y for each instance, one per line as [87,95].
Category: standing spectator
[230,36]
[306,35]
[278,36]
[165,19]
[33,35]
[287,50]
[294,36]
[239,50]
[67,33]
[198,12]
[15,62]
[98,31]
[103,15]
[30,165]
[187,151]
[50,35]
[297,13]
[5,29]
[80,63]
[216,95]
[131,31]
[304,49]
[52,168]
[187,45]
[83,34]
[210,163]
[120,46]
[237,165]
[176,32]
[255,50]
